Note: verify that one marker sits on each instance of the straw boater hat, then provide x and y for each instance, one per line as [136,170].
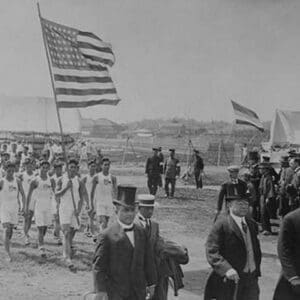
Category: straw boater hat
[126,196]
[146,200]
[233,168]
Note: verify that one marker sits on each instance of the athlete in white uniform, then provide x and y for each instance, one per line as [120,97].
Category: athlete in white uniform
[58,172]
[42,187]
[71,192]
[10,187]
[88,181]
[103,192]
[26,178]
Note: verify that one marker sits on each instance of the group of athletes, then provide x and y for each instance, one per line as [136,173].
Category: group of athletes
[54,193]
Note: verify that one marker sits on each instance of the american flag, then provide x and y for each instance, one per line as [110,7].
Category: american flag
[246,116]
[79,62]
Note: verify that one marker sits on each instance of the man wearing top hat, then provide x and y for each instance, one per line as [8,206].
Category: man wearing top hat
[233,186]
[153,170]
[233,250]
[171,171]
[123,264]
[198,169]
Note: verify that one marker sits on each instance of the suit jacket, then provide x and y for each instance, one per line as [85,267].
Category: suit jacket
[119,267]
[289,254]
[229,189]
[226,249]
[153,166]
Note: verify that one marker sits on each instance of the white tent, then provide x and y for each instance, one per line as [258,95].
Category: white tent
[36,114]
[285,128]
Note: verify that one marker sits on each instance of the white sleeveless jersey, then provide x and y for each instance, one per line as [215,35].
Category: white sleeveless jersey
[104,189]
[66,203]
[26,180]
[43,193]
[9,194]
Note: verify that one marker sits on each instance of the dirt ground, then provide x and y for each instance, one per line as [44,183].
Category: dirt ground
[185,219]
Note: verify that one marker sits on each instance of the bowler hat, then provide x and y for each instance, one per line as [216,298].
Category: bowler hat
[146,200]
[126,196]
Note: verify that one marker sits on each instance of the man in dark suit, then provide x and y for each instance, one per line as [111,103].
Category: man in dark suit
[288,286]
[154,170]
[233,251]
[232,187]
[198,169]
[143,218]
[123,264]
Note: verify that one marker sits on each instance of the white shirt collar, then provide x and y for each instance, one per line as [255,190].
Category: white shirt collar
[124,226]
[237,219]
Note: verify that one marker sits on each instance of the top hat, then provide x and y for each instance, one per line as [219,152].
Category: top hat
[126,196]
[146,200]
[238,197]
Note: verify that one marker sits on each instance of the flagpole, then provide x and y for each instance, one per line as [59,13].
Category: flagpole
[58,113]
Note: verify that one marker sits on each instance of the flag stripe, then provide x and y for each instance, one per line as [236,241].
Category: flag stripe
[79,79]
[81,104]
[76,98]
[87,85]
[96,53]
[82,73]
[243,122]
[95,59]
[89,34]
[94,47]
[84,92]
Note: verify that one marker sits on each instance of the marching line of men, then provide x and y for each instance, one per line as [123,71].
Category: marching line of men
[54,196]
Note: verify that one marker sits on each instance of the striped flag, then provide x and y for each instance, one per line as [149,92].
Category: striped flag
[246,116]
[79,62]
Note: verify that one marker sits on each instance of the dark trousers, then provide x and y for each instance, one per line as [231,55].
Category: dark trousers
[115,296]
[284,207]
[265,215]
[153,183]
[198,180]
[248,288]
[171,181]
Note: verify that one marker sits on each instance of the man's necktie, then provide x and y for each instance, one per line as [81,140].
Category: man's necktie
[244,227]
[147,225]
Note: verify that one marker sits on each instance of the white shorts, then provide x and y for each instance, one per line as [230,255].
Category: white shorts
[104,210]
[43,218]
[9,215]
[68,218]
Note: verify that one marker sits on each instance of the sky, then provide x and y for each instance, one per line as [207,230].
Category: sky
[174,58]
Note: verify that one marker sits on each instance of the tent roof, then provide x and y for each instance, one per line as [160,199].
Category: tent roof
[285,128]
[36,114]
